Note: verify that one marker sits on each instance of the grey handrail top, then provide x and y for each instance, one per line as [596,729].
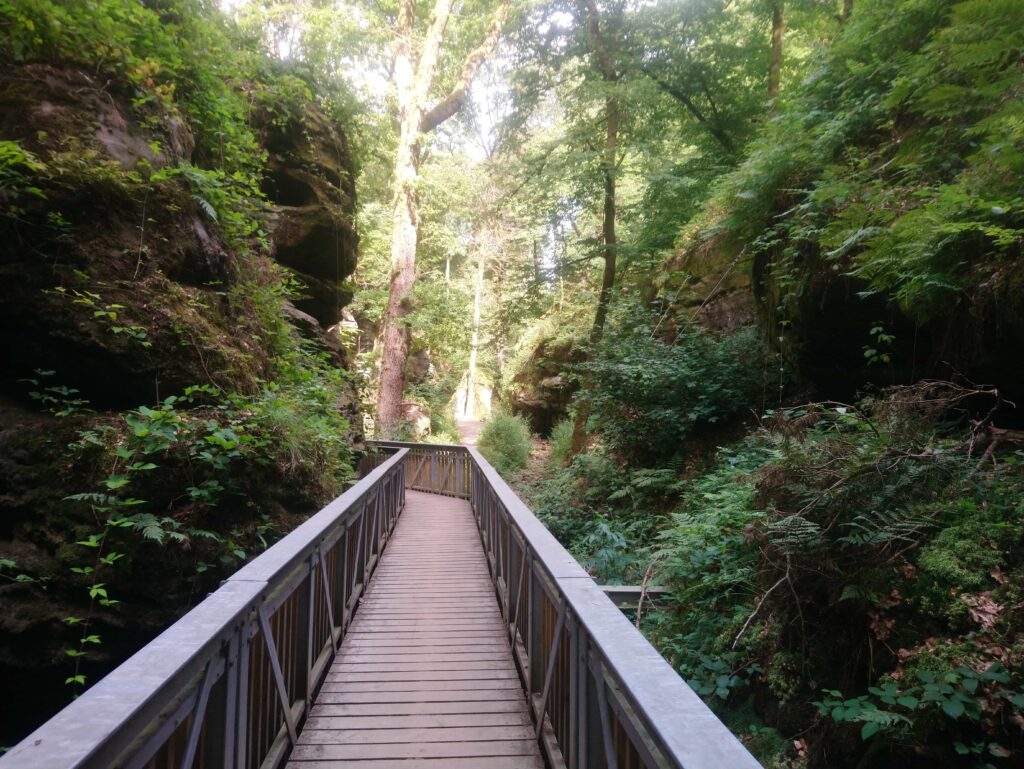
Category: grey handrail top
[138,688]
[414,445]
[142,685]
[297,544]
[671,710]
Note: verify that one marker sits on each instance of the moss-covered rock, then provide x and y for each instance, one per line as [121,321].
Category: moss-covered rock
[126,276]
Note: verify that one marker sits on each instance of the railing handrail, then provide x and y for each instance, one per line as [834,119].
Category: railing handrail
[111,717]
[414,445]
[156,702]
[689,733]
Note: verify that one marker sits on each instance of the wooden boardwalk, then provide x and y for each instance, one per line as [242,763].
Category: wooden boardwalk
[425,677]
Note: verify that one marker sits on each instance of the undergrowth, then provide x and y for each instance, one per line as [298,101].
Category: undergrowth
[847,574]
[505,442]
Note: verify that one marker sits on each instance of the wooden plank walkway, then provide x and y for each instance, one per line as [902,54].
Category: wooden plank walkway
[425,677]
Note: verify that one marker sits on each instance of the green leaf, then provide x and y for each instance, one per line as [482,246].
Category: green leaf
[116,481]
[869,729]
[953,708]
[907,701]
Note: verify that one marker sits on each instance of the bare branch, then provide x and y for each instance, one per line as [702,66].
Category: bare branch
[427,64]
[453,102]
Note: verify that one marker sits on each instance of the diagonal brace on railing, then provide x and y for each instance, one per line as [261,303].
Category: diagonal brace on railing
[318,557]
[198,714]
[550,673]
[275,662]
[519,595]
[611,759]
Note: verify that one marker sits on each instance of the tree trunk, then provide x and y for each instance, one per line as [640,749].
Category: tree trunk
[844,14]
[608,235]
[605,50]
[775,64]
[611,243]
[470,408]
[412,84]
[404,226]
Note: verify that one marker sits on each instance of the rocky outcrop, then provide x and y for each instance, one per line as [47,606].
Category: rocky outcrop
[121,286]
[127,288]
[716,283]
[826,327]
[540,389]
[310,183]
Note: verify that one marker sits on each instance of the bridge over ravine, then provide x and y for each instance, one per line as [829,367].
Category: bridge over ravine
[424,619]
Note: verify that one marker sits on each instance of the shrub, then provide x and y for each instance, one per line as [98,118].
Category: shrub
[647,395]
[505,442]
[561,439]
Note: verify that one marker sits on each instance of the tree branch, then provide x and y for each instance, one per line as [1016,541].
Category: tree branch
[456,98]
[427,64]
[604,57]
[684,98]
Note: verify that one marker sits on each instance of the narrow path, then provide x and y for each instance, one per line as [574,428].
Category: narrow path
[425,677]
[469,430]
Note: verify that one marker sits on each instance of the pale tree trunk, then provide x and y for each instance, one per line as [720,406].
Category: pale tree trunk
[501,342]
[413,81]
[608,236]
[847,9]
[395,347]
[470,408]
[775,63]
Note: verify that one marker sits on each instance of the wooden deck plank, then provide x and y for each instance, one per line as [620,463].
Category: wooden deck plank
[415,686]
[483,762]
[433,695]
[437,734]
[424,675]
[425,678]
[384,750]
[417,722]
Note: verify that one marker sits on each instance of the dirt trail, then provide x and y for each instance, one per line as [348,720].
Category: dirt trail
[469,429]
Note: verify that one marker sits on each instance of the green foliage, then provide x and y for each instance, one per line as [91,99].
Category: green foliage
[826,524]
[17,166]
[891,709]
[505,442]
[896,157]
[647,395]
[561,441]
[834,522]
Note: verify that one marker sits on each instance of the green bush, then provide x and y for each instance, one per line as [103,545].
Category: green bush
[561,439]
[648,395]
[505,442]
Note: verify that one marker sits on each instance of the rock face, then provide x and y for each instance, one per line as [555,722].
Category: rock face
[826,329]
[124,288]
[127,289]
[310,181]
[539,389]
[718,293]
[97,254]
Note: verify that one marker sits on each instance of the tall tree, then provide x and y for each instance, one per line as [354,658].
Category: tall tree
[604,44]
[775,63]
[414,68]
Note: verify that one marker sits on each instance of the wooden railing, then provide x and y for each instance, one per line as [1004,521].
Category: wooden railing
[601,696]
[437,468]
[228,684]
